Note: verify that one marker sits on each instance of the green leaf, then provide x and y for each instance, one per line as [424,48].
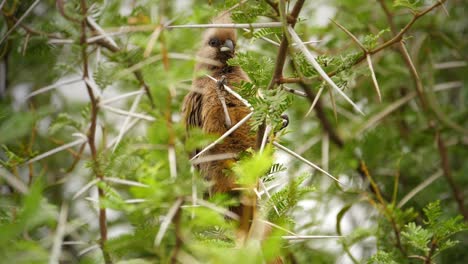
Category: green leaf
[250,169]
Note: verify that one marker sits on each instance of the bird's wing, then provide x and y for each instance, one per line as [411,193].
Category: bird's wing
[192,110]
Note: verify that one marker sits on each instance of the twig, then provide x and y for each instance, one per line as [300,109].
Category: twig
[450,64]
[354,38]
[414,73]
[85,188]
[419,188]
[299,157]
[18,22]
[327,126]
[374,79]
[319,69]
[92,131]
[230,25]
[294,91]
[216,208]
[276,226]
[266,39]
[53,86]
[227,118]
[120,97]
[2,3]
[215,157]
[58,238]
[87,250]
[167,220]
[97,28]
[13,181]
[171,155]
[127,113]
[431,251]
[457,193]
[304,237]
[222,137]
[126,121]
[55,150]
[159,57]
[130,126]
[178,234]
[125,182]
[395,39]
[373,121]
[283,49]
[314,102]
[231,91]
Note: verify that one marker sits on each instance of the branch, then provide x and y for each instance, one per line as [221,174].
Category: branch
[317,67]
[299,157]
[457,193]
[107,42]
[283,49]
[92,131]
[431,251]
[397,38]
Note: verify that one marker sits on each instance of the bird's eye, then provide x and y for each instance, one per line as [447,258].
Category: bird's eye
[213,42]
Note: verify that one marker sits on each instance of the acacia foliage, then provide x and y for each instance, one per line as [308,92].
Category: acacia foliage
[411,137]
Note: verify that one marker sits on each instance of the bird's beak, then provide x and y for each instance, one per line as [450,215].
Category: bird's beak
[228,46]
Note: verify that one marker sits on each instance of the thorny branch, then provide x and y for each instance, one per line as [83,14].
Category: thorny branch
[92,131]
[104,42]
[396,39]
[458,195]
[281,58]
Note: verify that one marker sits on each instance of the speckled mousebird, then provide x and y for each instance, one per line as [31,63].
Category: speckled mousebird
[202,108]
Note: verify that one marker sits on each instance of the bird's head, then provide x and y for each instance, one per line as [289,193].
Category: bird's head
[219,43]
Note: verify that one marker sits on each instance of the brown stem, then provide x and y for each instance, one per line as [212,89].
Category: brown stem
[431,251]
[178,234]
[457,193]
[92,131]
[402,49]
[77,158]
[283,49]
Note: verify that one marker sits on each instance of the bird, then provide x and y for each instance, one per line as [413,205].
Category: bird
[203,108]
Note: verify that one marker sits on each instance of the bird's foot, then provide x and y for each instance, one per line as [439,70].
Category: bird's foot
[221,82]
